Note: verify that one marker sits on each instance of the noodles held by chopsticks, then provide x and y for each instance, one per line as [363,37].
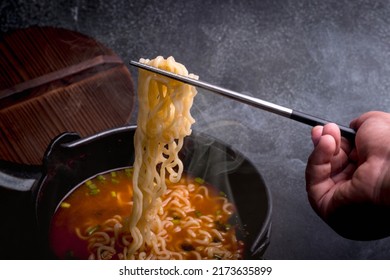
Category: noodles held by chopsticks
[164,120]
[163,215]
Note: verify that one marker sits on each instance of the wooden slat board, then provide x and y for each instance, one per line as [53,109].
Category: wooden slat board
[55,80]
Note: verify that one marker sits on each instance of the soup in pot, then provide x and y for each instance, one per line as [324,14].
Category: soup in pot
[193,221]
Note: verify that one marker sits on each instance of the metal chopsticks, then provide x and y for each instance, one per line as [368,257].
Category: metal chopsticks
[346,132]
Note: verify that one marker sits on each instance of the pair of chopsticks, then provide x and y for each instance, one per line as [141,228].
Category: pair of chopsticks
[346,132]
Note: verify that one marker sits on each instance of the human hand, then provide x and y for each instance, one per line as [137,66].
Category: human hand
[348,184]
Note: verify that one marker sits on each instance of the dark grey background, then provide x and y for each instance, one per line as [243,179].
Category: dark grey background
[327,58]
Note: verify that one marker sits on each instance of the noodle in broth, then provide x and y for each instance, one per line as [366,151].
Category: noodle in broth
[193,222]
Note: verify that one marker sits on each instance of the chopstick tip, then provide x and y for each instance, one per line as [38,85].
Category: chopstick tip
[133,62]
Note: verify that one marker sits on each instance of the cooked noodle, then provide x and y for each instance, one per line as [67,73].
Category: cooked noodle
[188,237]
[171,217]
[164,120]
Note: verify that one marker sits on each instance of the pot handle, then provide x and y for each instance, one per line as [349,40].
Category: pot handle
[15,183]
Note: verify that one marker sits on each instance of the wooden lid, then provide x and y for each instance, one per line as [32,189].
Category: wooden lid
[52,81]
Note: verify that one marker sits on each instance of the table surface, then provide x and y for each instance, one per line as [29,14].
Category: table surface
[330,59]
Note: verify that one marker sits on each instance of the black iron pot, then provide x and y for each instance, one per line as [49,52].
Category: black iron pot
[70,160]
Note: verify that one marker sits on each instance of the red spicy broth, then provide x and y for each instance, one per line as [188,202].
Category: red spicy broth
[106,199]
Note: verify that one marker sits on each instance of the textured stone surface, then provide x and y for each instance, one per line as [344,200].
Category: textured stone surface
[327,58]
